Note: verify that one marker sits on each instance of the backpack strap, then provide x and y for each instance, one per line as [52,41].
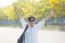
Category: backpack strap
[25,29]
[22,37]
[23,34]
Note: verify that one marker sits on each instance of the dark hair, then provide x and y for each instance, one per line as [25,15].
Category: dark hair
[29,18]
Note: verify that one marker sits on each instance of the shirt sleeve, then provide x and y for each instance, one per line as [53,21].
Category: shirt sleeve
[23,22]
[40,24]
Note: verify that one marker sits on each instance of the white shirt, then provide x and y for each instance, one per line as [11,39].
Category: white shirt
[31,35]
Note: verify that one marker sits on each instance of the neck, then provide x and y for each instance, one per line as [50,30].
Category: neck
[31,25]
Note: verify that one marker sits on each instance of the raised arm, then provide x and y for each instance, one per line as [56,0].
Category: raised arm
[22,20]
[50,15]
[42,22]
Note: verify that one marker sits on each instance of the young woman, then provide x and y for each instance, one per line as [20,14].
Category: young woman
[32,31]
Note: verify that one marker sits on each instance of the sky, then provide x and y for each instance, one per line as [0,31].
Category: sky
[4,3]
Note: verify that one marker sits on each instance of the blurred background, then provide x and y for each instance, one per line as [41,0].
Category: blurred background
[52,32]
[39,8]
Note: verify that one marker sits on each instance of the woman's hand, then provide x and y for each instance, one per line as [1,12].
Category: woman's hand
[50,15]
[19,16]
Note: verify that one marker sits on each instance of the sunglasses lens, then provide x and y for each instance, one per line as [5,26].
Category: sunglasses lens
[32,20]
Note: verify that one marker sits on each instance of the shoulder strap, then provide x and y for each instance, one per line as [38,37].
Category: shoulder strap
[26,28]
[23,34]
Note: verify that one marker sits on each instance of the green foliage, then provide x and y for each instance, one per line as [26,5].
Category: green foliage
[38,9]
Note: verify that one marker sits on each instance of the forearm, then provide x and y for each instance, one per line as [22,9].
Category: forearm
[48,17]
[51,14]
[22,20]
[19,16]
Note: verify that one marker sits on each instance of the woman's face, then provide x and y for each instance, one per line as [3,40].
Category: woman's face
[32,20]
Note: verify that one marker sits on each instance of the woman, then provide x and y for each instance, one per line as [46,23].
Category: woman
[32,31]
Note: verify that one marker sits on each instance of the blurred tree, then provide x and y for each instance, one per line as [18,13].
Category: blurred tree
[1,14]
[9,12]
[39,9]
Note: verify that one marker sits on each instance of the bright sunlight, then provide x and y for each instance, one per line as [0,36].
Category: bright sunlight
[4,3]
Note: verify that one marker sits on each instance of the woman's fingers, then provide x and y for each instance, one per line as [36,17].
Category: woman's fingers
[51,13]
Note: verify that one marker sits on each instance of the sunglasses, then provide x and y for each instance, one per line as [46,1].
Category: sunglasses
[32,20]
